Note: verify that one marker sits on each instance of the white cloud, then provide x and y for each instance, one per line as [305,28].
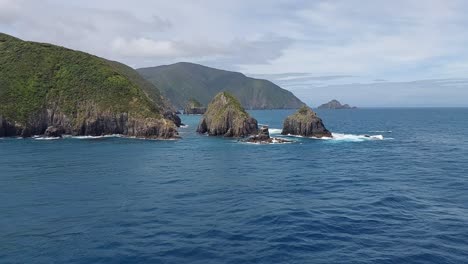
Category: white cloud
[393,40]
[143,47]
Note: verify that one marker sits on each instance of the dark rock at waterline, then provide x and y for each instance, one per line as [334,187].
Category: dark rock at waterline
[52,131]
[263,137]
[226,117]
[93,123]
[171,115]
[263,134]
[305,122]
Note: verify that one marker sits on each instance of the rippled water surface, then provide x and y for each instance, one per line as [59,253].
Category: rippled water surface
[398,197]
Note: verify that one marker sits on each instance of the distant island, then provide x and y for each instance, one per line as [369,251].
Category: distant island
[183,81]
[54,91]
[335,104]
[193,107]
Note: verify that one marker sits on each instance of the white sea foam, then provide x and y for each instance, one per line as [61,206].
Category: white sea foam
[341,137]
[353,138]
[275,131]
[46,138]
[97,137]
[184,126]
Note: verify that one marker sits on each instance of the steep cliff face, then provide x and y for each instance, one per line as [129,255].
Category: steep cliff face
[305,122]
[226,117]
[43,85]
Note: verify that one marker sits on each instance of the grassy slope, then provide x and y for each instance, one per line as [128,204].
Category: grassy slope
[181,81]
[36,75]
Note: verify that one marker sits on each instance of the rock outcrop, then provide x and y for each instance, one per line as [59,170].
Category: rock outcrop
[263,137]
[52,123]
[226,117]
[172,115]
[305,122]
[335,104]
[193,107]
[54,131]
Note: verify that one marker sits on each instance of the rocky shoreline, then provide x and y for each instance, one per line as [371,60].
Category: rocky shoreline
[50,123]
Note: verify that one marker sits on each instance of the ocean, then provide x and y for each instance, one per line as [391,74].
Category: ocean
[397,195]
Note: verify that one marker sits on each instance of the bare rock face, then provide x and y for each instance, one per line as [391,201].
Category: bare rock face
[173,116]
[90,122]
[305,122]
[226,117]
[53,131]
[7,129]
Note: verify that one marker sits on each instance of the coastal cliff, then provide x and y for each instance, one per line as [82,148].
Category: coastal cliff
[306,123]
[47,88]
[226,117]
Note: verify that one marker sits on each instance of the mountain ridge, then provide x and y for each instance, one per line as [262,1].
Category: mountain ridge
[184,80]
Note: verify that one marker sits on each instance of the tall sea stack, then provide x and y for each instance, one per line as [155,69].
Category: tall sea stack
[306,123]
[226,117]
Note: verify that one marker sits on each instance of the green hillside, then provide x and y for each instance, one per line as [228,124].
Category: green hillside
[181,81]
[39,78]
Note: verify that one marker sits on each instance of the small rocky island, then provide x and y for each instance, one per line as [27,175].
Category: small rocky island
[194,107]
[306,123]
[335,104]
[226,117]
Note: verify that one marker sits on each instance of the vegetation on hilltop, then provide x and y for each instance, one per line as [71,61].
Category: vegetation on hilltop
[181,81]
[38,76]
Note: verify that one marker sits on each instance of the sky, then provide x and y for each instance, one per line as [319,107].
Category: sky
[368,53]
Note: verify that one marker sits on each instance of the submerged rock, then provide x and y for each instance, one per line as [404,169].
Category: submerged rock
[226,117]
[305,122]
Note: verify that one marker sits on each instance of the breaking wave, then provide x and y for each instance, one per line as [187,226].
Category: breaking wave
[275,131]
[380,131]
[95,137]
[339,136]
[46,138]
[353,138]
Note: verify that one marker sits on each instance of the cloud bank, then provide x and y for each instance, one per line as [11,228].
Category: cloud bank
[298,44]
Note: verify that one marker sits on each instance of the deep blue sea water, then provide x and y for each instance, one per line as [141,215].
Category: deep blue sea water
[403,199]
